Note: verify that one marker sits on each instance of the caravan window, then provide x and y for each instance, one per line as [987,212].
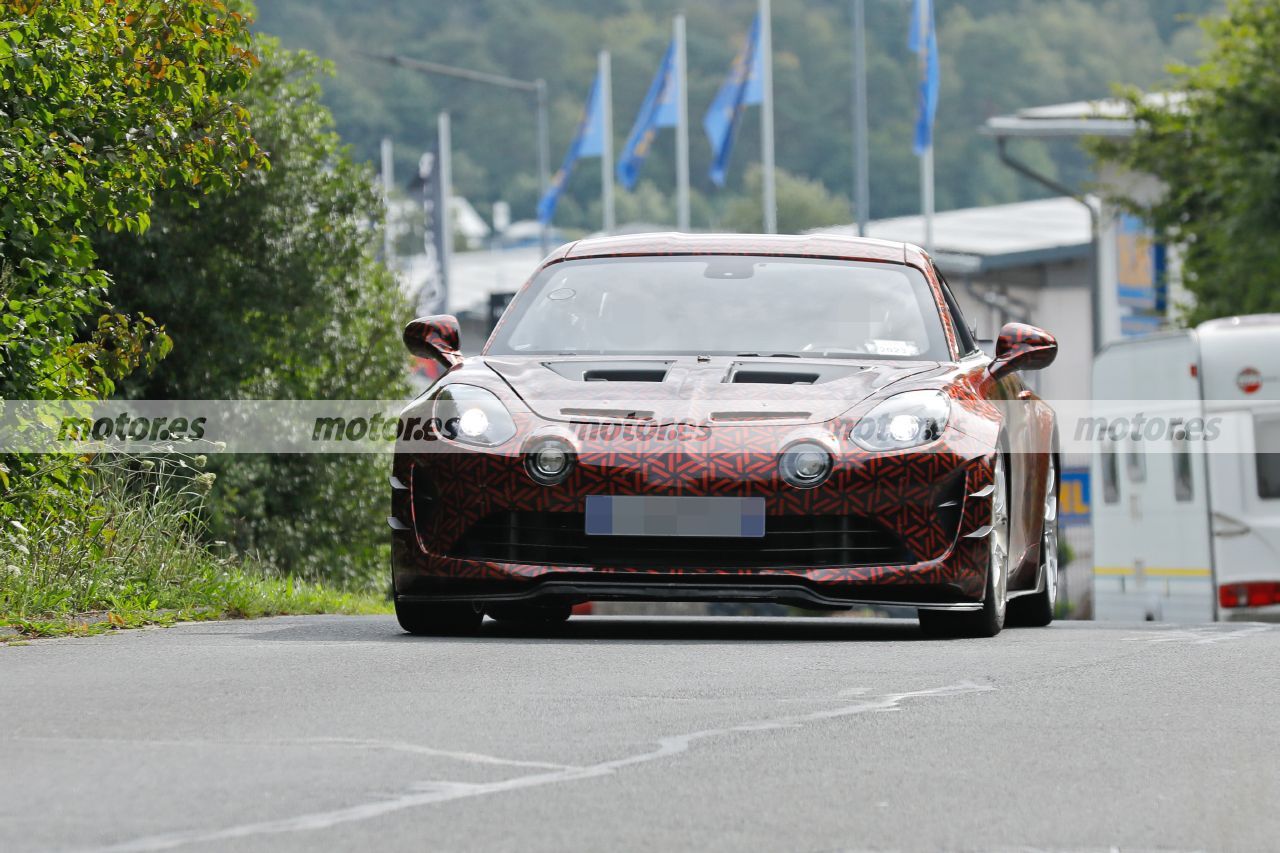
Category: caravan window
[1183,485]
[1266,439]
[1135,461]
[1110,473]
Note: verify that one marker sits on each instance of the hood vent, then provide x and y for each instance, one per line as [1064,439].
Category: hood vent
[747,417]
[609,414]
[623,374]
[773,377]
[631,370]
[776,373]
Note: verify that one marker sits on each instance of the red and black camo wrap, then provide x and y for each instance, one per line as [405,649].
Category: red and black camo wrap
[906,493]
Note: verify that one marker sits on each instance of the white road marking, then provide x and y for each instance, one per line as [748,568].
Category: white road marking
[428,793]
[471,757]
[1205,636]
[341,742]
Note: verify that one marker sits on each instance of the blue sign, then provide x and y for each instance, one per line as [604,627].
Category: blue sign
[1136,276]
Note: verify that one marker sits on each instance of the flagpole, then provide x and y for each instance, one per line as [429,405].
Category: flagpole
[444,180]
[388,181]
[765,46]
[861,158]
[682,128]
[926,196]
[544,160]
[606,155]
[925,23]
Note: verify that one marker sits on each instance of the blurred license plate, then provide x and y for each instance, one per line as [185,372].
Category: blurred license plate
[642,515]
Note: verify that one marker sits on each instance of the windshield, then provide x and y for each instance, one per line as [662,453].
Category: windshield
[726,305]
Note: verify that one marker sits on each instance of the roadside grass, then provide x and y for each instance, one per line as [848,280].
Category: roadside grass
[126,551]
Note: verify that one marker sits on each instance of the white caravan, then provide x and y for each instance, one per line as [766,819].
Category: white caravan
[1186,474]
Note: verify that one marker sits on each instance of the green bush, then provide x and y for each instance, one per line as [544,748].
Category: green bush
[133,545]
[270,290]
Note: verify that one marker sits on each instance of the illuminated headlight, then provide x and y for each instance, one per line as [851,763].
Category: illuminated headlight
[473,423]
[805,465]
[905,420]
[473,415]
[549,461]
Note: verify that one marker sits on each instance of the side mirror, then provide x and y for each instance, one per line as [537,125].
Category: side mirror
[434,338]
[1022,347]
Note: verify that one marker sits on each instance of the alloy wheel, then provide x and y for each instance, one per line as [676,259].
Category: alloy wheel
[1049,541]
[999,566]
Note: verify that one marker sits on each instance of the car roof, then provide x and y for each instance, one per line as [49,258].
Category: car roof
[792,245]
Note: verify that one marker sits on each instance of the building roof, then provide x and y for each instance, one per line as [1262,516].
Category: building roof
[1104,117]
[967,242]
[980,239]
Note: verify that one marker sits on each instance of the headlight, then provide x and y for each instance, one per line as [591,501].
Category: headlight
[905,420]
[805,464]
[472,415]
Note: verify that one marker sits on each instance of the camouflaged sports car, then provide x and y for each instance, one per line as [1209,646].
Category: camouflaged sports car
[805,420]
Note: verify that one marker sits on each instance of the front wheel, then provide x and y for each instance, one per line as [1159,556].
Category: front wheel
[438,618]
[988,621]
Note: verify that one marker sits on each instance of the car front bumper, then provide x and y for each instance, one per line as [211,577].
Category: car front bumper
[926,506]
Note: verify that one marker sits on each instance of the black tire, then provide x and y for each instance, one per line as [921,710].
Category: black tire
[521,613]
[988,621]
[1036,610]
[438,619]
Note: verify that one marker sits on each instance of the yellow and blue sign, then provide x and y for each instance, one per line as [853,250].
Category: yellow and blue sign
[1073,498]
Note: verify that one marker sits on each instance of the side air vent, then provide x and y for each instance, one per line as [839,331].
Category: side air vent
[773,377]
[623,374]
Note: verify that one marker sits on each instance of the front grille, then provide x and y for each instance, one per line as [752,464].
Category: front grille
[559,538]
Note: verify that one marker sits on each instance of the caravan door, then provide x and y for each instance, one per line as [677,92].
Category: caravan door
[1152,555]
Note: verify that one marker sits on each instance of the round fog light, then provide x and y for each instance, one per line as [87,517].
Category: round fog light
[805,465]
[549,462]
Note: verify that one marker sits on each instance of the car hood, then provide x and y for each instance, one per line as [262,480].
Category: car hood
[697,389]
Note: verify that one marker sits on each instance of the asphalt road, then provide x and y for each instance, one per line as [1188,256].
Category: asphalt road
[831,734]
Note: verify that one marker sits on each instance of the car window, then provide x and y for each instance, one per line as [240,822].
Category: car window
[963,336]
[726,305]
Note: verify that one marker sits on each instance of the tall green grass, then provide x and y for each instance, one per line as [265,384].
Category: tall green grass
[128,546]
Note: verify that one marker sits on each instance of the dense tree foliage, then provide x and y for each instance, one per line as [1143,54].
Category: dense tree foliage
[101,103]
[997,56]
[153,166]
[1215,148]
[270,291]
[802,204]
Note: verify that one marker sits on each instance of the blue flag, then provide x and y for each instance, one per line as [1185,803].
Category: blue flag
[587,142]
[923,41]
[742,88]
[658,110]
